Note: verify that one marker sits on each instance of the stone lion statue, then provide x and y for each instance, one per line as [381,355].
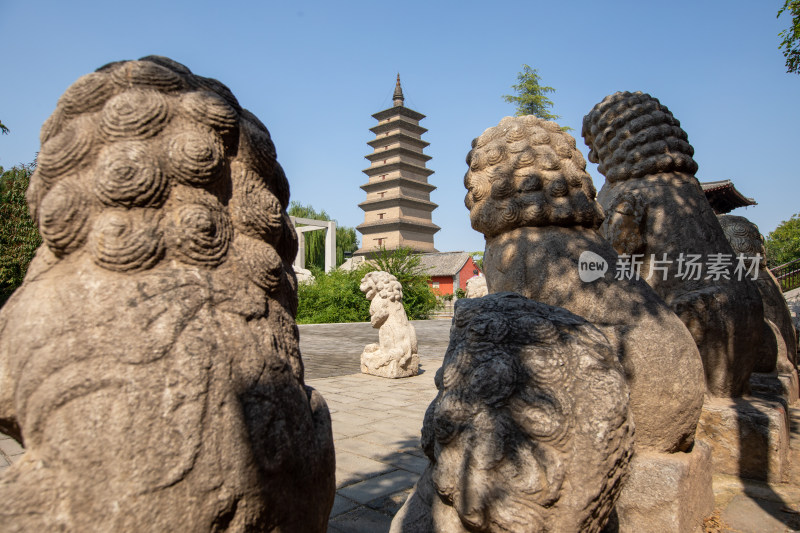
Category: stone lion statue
[529,193]
[476,286]
[395,354]
[746,239]
[654,206]
[530,429]
[150,361]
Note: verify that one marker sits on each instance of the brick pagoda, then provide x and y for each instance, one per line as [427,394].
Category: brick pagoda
[397,211]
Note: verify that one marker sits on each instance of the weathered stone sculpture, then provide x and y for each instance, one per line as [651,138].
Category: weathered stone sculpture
[745,239]
[775,373]
[530,429]
[303,275]
[150,359]
[655,207]
[476,286]
[395,354]
[530,195]
[792,299]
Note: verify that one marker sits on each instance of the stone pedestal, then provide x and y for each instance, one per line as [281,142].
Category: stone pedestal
[665,492]
[749,437]
[784,385]
[388,365]
[791,384]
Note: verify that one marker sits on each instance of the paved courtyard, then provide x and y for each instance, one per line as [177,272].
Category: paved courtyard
[377,422]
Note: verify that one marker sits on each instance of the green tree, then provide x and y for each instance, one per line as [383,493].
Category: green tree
[531,98]
[19,236]
[791,37]
[478,258]
[783,244]
[3,128]
[346,240]
[418,298]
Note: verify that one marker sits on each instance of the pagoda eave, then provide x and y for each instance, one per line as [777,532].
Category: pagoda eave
[398,124]
[377,186]
[367,228]
[377,170]
[396,152]
[395,201]
[398,110]
[369,253]
[396,138]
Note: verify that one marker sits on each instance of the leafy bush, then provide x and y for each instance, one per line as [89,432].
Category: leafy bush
[461,293]
[333,297]
[336,296]
[19,236]
[418,298]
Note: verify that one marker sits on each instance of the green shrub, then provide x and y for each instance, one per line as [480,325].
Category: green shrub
[333,297]
[418,298]
[19,236]
[336,297]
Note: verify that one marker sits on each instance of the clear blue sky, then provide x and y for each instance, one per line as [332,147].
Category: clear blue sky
[314,72]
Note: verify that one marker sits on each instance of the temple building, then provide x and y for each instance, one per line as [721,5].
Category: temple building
[398,209]
[724,197]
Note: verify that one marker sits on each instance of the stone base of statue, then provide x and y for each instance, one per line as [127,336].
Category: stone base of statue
[665,492]
[749,437]
[784,385]
[378,362]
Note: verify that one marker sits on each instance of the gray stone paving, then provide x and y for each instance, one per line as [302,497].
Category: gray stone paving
[10,451]
[331,350]
[376,430]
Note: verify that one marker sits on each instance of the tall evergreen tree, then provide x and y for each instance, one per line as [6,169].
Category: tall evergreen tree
[531,98]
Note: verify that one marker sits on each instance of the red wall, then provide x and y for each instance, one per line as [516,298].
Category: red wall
[466,273]
[446,282]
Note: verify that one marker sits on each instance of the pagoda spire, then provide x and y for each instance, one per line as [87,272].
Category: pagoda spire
[398,93]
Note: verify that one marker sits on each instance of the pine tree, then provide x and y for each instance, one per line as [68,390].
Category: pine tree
[532,97]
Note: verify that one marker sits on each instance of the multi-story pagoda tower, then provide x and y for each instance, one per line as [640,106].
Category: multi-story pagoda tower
[398,208]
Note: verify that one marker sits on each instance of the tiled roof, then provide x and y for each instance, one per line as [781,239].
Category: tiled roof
[443,263]
[433,264]
[724,197]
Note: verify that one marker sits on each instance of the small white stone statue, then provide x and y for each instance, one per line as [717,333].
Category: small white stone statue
[303,275]
[476,286]
[395,354]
